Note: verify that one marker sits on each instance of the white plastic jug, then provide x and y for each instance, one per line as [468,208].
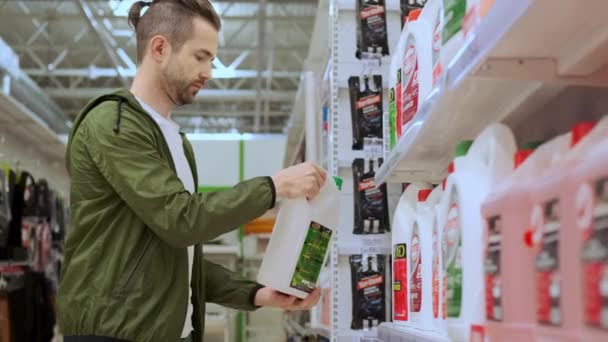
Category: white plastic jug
[403,222]
[417,67]
[488,160]
[459,17]
[425,313]
[300,240]
[432,15]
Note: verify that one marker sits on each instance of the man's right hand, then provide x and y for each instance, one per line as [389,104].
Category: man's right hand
[302,180]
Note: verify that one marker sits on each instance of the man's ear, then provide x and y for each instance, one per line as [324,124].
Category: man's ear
[159,48]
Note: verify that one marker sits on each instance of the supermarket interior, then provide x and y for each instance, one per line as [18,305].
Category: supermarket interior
[303,170]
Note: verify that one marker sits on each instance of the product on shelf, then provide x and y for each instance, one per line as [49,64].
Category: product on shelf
[407,6]
[403,222]
[439,319]
[300,240]
[416,68]
[591,178]
[371,28]
[432,15]
[395,92]
[371,202]
[366,109]
[556,220]
[460,17]
[424,295]
[403,226]
[510,307]
[368,288]
[5,213]
[487,162]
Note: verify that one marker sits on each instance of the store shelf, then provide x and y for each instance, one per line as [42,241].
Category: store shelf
[25,124]
[389,332]
[510,65]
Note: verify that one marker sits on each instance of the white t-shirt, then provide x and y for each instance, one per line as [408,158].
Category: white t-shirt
[170,130]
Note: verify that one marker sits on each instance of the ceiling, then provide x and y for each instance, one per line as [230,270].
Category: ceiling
[77,49]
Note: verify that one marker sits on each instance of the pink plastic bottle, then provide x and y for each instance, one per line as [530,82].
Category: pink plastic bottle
[509,261]
[589,216]
[508,302]
[557,268]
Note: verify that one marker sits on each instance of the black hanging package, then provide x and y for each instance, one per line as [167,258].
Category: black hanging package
[369,291]
[365,109]
[23,205]
[57,218]
[409,5]
[5,209]
[43,200]
[371,203]
[371,28]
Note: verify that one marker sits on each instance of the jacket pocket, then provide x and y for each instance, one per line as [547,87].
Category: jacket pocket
[134,269]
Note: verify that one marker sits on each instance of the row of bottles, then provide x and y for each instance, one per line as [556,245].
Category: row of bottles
[512,245]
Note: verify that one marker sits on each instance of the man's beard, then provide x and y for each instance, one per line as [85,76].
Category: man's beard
[178,89]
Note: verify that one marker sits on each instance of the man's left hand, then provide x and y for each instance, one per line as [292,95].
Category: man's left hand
[273,298]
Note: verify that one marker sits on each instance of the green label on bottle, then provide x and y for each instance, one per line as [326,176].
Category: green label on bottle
[311,258]
[392,116]
[452,257]
[455,11]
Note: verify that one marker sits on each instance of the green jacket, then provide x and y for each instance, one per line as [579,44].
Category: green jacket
[125,272]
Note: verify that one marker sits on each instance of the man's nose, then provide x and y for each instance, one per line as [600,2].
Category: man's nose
[206,74]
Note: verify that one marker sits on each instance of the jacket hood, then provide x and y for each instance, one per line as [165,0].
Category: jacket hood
[122,96]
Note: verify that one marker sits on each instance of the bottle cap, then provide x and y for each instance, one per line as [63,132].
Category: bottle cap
[413,15]
[532,145]
[580,130]
[529,238]
[338,181]
[463,147]
[521,156]
[423,194]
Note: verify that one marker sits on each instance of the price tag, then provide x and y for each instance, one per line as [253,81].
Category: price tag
[376,245]
[373,250]
[373,148]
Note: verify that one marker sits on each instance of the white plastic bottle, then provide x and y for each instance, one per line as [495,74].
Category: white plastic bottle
[423,254]
[439,317]
[459,17]
[488,160]
[403,222]
[417,68]
[432,15]
[300,241]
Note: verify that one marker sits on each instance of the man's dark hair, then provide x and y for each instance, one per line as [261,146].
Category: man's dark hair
[171,18]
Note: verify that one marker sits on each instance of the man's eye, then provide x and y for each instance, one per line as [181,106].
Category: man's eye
[199,58]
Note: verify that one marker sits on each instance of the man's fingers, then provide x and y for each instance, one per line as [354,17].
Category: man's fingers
[289,300]
[306,304]
[320,171]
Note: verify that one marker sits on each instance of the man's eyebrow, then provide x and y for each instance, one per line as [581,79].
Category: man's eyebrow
[206,52]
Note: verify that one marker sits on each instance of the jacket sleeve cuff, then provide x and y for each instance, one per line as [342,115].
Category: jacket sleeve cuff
[253,293]
[273,190]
